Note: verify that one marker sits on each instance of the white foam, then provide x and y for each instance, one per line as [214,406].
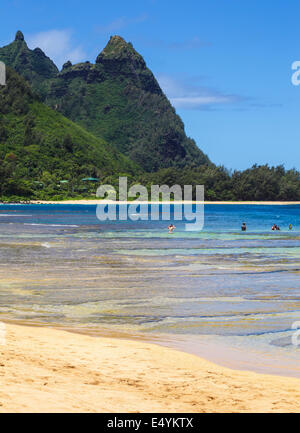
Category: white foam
[10,215]
[46,245]
[49,225]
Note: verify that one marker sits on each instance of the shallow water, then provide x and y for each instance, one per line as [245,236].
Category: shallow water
[226,295]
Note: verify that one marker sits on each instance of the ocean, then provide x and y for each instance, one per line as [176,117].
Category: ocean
[229,296]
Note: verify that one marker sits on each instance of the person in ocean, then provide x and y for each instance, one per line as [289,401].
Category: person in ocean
[244,227]
[171,228]
[290,227]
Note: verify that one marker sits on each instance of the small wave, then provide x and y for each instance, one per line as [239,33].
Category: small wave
[46,245]
[50,225]
[10,215]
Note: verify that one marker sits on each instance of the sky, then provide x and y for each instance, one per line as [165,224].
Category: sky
[225,65]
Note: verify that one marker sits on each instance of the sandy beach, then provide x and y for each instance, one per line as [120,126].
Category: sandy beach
[49,370]
[97,201]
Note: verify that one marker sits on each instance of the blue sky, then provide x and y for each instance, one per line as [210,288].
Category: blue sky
[224,64]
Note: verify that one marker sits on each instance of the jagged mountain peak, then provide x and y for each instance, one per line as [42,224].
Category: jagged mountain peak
[117,49]
[117,99]
[19,36]
[34,65]
[117,39]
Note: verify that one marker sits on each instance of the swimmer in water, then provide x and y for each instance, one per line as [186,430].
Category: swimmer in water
[244,227]
[171,228]
[275,227]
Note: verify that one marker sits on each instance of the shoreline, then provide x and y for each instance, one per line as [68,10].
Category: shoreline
[48,370]
[96,202]
[203,348]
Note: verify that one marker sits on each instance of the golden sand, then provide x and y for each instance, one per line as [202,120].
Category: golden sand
[49,370]
[98,201]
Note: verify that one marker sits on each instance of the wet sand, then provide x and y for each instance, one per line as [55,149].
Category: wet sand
[49,370]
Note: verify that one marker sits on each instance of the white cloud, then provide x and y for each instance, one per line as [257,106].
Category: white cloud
[191,102]
[58,45]
[120,23]
[185,93]
[189,44]
[194,43]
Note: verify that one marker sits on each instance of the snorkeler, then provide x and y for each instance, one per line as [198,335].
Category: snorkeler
[244,227]
[171,228]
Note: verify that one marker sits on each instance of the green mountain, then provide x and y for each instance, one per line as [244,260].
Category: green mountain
[34,65]
[117,98]
[39,147]
[119,110]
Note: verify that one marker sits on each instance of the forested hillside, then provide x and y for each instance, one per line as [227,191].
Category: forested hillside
[100,120]
[39,148]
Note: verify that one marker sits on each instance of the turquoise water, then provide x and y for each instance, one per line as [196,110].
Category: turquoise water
[220,293]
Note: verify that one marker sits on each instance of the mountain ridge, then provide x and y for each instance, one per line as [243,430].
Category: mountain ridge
[33,65]
[118,99]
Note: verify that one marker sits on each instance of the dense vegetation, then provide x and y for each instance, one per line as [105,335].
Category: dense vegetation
[33,65]
[259,183]
[117,99]
[255,184]
[39,148]
[121,116]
